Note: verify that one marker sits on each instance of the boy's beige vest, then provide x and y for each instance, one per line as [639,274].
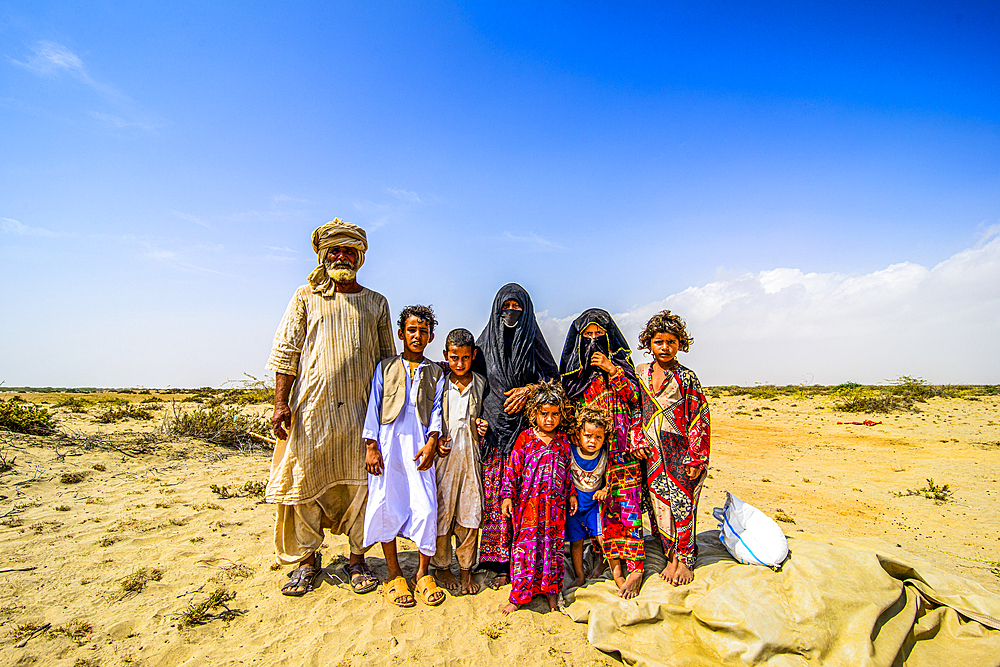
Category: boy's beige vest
[475,405]
[394,389]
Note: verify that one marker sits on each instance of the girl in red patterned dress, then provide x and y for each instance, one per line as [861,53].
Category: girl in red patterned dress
[536,486]
[675,422]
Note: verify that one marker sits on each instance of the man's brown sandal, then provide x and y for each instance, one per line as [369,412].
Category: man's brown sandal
[302,579]
[362,579]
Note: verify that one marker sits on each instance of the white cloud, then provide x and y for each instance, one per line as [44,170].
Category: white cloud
[50,59]
[405,195]
[786,326]
[190,218]
[283,198]
[532,242]
[17,228]
[986,232]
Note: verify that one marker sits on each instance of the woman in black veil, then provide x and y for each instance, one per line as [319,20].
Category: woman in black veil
[513,355]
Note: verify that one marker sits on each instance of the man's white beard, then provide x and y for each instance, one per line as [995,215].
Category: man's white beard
[340,273]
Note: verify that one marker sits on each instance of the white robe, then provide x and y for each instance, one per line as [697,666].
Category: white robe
[402,501]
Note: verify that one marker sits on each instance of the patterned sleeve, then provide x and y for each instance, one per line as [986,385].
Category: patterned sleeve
[699,426]
[623,386]
[289,337]
[512,472]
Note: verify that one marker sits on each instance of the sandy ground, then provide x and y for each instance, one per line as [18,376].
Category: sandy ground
[157,512]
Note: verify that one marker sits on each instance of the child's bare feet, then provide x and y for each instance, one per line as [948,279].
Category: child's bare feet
[630,588]
[683,575]
[576,583]
[597,570]
[553,602]
[509,607]
[469,585]
[616,572]
[670,571]
[499,581]
[447,579]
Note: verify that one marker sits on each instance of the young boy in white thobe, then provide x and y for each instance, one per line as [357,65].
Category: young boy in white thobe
[459,476]
[401,430]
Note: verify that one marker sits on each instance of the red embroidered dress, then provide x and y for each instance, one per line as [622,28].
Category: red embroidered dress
[676,423]
[538,482]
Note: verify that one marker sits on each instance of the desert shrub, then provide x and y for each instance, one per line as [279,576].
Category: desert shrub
[151,399]
[248,391]
[19,416]
[203,612]
[250,489]
[121,412]
[222,425]
[939,494]
[870,400]
[74,403]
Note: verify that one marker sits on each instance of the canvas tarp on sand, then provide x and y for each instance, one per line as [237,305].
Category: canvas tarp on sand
[832,603]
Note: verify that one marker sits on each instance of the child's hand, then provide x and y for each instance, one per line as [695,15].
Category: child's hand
[574,505]
[692,471]
[481,426]
[601,494]
[373,459]
[426,454]
[507,507]
[444,447]
[601,360]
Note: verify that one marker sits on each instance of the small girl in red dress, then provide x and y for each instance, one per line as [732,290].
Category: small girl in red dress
[536,486]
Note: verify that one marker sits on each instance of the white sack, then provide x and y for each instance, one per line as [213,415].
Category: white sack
[752,537]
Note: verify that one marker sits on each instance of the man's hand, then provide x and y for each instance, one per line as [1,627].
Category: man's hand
[507,507]
[426,454]
[281,420]
[601,494]
[373,458]
[516,398]
[574,505]
[444,447]
[601,360]
[481,426]
[692,471]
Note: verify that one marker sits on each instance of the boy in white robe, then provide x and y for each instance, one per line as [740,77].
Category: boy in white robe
[401,430]
[459,474]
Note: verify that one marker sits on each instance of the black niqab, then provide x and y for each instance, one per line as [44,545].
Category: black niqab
[574,367]
[510,357]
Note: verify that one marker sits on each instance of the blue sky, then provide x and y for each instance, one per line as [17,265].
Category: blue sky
[817,189]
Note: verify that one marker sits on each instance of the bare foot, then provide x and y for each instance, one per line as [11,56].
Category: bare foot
[576,583]
[670,571]
[447,579]
[469,585]
[509,607]
[598,570]
[497,582]
[616,572]
[683,575]
[630,588]
[553,602]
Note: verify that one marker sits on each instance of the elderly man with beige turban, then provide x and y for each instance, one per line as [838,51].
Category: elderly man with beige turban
[333,334]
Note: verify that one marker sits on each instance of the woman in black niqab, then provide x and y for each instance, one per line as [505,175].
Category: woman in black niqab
[575,368]
[513,355]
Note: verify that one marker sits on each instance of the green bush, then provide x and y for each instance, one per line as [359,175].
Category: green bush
[19,416]
[121,412]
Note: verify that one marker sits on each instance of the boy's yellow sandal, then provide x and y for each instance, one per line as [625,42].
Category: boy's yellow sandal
[397,592]
[429,591]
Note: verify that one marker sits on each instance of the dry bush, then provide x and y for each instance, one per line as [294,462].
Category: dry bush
[74,403]
[204,612]
[225,425]
[135,582]
[72,477]
[121,412]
